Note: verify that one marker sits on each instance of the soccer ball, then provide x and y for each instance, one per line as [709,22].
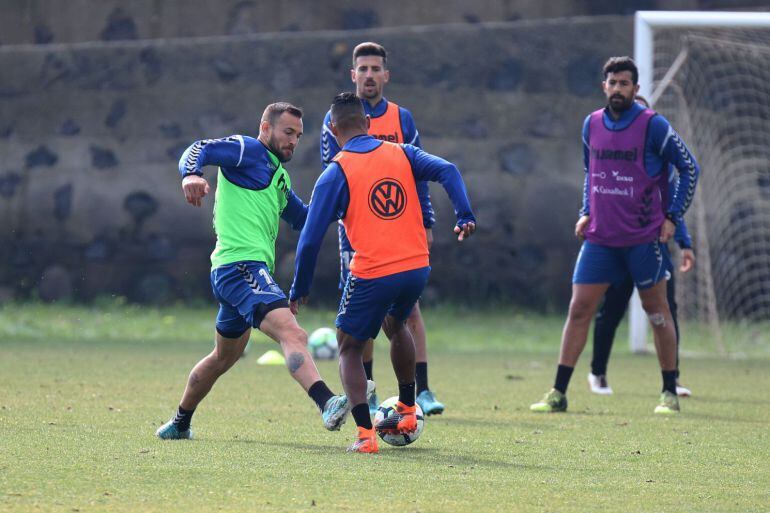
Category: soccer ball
[323,344]
[388,408]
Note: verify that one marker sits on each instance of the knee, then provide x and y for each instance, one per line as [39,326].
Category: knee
[657,312]
[351,347]
[392,327]
[224,360]
[655,306]
[580,311]
[295,337]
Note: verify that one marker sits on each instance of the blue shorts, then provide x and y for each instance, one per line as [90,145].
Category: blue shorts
[646,264]
[346,255]
[365,303]
[246,293]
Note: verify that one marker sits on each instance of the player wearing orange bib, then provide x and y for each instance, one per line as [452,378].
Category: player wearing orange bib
[371,187]
[392,123]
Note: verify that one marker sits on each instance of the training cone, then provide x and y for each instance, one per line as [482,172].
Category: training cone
[271,357]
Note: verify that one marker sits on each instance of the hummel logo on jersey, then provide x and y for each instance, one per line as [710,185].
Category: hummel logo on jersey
[386,137]
[610,154]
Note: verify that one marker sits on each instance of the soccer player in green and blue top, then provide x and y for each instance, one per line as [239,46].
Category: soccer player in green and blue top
[253,193]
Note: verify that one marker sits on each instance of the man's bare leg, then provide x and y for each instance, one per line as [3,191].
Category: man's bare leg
[582,307]
[281,325]
[226,352]
[655,304]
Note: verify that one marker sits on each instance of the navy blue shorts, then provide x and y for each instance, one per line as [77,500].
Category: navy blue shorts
[646,264]
[246,293]
[365,303]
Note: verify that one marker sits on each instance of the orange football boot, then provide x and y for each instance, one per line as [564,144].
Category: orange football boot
[403,421]
[366,441]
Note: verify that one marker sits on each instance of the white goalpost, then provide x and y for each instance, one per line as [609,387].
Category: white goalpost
[708,73]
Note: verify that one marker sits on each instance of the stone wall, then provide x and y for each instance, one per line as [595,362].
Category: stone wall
[59,21]
[90,135]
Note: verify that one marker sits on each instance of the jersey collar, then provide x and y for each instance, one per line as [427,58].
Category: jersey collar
[376,111]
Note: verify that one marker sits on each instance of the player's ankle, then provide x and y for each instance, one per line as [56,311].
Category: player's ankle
[361,415]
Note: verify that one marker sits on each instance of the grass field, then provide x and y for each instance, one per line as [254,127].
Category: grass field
[82,391]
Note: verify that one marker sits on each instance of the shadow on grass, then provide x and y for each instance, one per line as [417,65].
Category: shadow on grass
[432,454]
[685,415]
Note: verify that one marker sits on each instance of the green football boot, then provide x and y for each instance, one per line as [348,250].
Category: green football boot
[552,402]
[669,404]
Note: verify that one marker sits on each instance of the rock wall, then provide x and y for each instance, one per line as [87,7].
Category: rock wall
[90,135]
[56,21]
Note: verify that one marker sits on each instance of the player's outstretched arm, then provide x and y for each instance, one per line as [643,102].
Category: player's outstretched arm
[429,167]
[329,202]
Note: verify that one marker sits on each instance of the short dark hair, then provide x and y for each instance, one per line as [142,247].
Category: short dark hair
[370,48]
[617,64]
[641,99]
[347,111]
[274,111]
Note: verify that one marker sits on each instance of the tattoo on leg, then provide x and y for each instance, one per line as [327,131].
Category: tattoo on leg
[657,319]
[295,362]
[194,379]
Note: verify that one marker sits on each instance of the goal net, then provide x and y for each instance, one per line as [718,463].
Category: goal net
[712,81]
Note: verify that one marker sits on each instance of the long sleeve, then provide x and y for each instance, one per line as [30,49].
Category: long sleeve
[682,235]
[412,136]
[225,152]
[429,167]
[672,149]
[295,211]
[586,208]
[329,202]
[328,145]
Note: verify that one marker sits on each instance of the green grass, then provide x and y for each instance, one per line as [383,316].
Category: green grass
[82,391]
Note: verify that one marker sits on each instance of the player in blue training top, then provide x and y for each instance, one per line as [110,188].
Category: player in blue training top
[392,123]
[253,194]
[370,186]
[616,302]
[626,223]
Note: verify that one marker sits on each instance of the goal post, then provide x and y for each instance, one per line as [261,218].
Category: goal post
[655,79]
